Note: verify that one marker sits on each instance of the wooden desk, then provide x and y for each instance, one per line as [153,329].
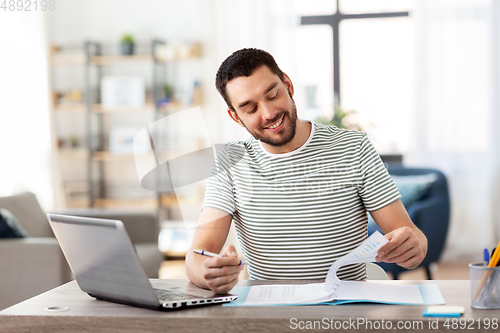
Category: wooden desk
[89,315]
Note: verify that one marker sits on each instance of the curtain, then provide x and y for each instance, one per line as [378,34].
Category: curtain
[456,115]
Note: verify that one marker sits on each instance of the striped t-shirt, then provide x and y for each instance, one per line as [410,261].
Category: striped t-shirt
[296,213]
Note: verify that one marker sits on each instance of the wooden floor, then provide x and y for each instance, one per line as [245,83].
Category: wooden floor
[175,269]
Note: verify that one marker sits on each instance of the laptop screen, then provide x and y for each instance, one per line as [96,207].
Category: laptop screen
[102,258]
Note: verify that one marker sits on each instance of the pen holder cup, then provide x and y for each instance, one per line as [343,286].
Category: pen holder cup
[485,286]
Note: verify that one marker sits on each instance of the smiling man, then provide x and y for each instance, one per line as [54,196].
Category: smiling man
[297,191]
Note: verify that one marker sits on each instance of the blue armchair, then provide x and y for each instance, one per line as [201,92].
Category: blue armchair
[431,214]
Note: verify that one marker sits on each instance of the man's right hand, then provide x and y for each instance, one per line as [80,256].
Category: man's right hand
[221,273]
[217,274]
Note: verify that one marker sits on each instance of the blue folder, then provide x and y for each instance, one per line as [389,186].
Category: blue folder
[430,295]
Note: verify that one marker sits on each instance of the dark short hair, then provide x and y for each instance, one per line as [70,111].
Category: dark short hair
[243,63]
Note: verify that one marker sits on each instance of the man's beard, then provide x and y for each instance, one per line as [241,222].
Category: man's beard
[283,140]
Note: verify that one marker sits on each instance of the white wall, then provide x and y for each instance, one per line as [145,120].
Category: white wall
[24,106]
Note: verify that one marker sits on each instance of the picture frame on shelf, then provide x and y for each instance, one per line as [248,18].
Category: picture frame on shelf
[121,140]
[122,91]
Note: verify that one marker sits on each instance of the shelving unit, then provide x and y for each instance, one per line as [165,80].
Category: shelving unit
[93,154]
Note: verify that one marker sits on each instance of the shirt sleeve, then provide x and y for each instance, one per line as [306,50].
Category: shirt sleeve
[377,189]
[219,193]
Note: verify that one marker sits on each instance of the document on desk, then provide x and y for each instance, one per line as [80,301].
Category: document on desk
[333,289]
[288,294]
[346,292]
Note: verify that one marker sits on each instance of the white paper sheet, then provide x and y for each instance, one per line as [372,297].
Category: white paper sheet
[288,294]
[378,292]
[366,252]
[333,288]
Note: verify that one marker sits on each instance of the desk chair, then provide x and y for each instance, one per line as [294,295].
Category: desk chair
[430,213]
[375,272]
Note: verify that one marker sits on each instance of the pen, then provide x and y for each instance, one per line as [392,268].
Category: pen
[495,259]
[494,277]
[486,257]
[211,254]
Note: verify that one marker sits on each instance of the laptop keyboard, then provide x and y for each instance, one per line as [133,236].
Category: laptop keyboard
[170,295]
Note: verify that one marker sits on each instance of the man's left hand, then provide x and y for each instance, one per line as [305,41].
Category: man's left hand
[404,249]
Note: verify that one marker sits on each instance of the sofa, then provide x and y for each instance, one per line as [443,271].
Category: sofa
[35,264]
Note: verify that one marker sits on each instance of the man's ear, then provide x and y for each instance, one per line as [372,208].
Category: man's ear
[234,116]
[288,84]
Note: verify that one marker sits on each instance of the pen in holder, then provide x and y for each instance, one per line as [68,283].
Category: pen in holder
[485,286]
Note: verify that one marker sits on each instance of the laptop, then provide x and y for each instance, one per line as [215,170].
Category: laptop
[105,265]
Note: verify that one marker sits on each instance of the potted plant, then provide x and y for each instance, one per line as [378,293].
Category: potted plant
[127,45]
[74,141]
[168,91]
[341,119]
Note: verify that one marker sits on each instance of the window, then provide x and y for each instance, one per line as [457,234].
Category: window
[376,62]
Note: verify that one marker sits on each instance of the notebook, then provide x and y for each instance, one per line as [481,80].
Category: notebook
[334,291]
[105,265]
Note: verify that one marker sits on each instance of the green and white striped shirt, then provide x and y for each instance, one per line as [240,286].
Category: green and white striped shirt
[296,213]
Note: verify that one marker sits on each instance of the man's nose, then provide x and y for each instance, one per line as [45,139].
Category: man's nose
[268,111]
